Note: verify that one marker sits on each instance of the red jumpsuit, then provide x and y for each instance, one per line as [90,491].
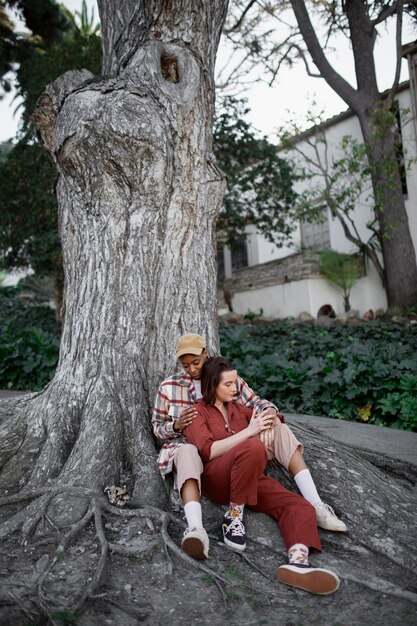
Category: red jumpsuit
[238,475]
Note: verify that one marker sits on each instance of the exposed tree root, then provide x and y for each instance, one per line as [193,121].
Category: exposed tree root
[128,608]
[104,547]
[253,566]
[16,600]
[36,519]
[184,557]
[35,512]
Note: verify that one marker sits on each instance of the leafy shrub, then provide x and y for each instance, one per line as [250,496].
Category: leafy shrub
[29,342]
[363,372]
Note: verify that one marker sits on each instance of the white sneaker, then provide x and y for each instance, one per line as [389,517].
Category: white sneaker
[312,579]
[195,543]
[327,519]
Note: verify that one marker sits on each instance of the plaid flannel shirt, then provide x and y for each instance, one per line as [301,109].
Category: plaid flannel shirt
[175,394]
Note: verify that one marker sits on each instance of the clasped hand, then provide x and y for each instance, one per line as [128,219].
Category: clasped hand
[260,422]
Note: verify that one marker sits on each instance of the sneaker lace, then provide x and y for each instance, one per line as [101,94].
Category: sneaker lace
[237,528]
[327,508]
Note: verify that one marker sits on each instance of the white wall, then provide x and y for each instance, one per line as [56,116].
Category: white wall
[290,299]
[363,213]
[284,300]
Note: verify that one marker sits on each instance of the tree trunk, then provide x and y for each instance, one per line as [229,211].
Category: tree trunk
[397,246]
[396,243]
[138,192]
[395,238]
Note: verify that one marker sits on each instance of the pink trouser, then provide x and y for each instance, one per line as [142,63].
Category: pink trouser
[187,464]
[284,446]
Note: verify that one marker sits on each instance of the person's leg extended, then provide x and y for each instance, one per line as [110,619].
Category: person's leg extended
[289,452]
[188,468]
[297,521]
[232,478]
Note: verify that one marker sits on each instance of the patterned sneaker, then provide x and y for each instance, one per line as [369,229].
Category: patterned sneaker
[312,579]
[327,519]
[195,543]
[234,534]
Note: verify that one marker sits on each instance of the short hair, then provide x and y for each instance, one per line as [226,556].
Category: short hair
[211,373]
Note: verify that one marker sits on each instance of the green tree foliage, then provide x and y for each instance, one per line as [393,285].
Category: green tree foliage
[79,47]
[28,209]
[260,184]
[44,18]
[29,341]
[28,216]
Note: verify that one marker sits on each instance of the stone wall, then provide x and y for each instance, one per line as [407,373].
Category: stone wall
[292,268]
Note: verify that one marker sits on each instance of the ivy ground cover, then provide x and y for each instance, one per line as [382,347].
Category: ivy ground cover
[361,372]
[29,342]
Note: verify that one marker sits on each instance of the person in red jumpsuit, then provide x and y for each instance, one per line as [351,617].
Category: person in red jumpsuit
[226,434]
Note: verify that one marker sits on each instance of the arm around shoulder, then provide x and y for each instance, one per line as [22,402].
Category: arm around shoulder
[248,398]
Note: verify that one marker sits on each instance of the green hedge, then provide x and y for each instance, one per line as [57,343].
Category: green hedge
[29,342]
[362,372]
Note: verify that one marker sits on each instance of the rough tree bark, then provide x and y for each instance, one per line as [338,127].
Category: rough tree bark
[138,192]
[366,101]
[138,195]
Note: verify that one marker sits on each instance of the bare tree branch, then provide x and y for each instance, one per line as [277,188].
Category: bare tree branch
[303,57]
[398,35]
[334,79]
[239,22]
[384,14]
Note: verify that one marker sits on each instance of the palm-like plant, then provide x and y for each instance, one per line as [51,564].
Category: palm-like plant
[341,269]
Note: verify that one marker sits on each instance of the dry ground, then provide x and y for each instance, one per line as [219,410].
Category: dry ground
[155,586]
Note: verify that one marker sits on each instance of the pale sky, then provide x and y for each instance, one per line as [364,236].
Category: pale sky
[290,97]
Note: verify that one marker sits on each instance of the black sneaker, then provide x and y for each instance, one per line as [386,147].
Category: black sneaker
[234,534]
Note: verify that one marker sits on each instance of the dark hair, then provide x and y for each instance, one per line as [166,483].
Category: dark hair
[211,373]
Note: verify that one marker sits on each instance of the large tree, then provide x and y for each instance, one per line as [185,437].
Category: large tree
[138,193]
[309,39]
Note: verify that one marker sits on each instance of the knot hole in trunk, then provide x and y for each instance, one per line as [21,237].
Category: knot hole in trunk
[169,67]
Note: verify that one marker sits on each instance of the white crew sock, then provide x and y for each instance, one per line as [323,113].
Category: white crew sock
[193,514]
[305,484]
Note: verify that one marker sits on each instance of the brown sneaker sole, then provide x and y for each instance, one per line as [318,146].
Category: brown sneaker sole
[316,580]
[193,547]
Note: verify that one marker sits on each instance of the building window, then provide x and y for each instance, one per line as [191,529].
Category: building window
[316,235]
[239,252]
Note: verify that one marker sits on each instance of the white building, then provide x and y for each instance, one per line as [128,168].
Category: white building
[286,281]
